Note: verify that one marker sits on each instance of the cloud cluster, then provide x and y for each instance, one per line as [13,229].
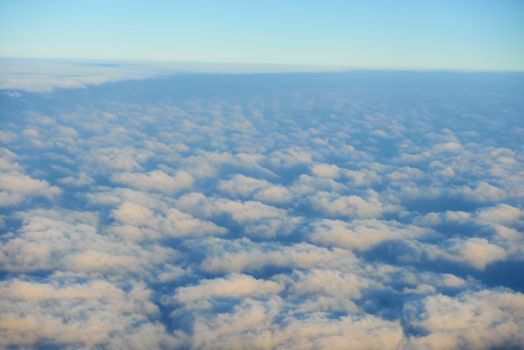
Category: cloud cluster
[16,186]
[363,210]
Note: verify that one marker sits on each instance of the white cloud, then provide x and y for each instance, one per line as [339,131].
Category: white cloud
[232,286]
[447,147]
[472,320]
[338,205]
[249,221]
[240,185]
[110,159]
[16,186]
[263,190]
[252,324]
[483,192]
[325,170]
[290,157]
[475,252]
[156,181]
[274,194]
[138,222]
[58,240]
[97,313]
[258,219]
[361,234]
[501,213]
[244,255]
[82,179]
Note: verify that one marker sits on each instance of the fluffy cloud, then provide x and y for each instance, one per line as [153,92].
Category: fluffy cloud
[353,205]
[325,170]
[244,187]
[87,315]
[232,286]
[245,255]
[258,211]
[252,324]
[475,252]
[258,219]
[139,222]
[502,213]
[51,240]
[16,186]
[155,181]
[361,234]
[472,320]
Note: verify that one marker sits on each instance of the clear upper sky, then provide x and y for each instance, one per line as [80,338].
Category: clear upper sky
[475,34]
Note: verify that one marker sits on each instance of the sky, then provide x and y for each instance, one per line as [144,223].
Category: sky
[470,35]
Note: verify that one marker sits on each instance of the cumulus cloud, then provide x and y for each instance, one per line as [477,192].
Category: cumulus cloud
[325,170]
[245,255]
[475,252]
[232,286]
[97,313]
[356,206]
[138,222]
[252,323]
[245,187]
[501,213]
[258,219]
[155,181]
[258,211]
[16,186]
[51,240]
[291,157]
[474,320]
[110,159]
[361,234]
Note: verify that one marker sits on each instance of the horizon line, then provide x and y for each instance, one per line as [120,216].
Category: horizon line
[312,68]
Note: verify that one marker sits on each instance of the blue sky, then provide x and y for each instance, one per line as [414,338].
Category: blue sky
[476,35]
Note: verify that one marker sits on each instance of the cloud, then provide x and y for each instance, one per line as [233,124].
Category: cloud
[501,213]
[258,219]
[82,179]
[361,234]
[253,324]
[447,147]
[110,159]
[341,285]
[475,252]
[473,320]
[245,255]
[483,192]
[16,186]
[240,185]
[232,286]
[97,313]
[58,240]
[138,222]
[338,205]
[156,181]
[47,75]
[325,170]
[245,187]
[258,211]
[290,157]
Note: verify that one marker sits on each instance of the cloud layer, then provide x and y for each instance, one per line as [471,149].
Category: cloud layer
[355,210]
